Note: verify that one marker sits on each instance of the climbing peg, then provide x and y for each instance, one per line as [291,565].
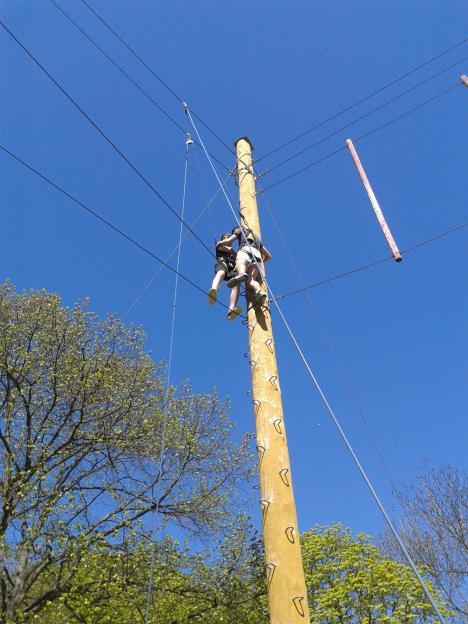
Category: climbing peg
[273,379]
[289,534]
[297,601]
[277,425]
[284,476]
[261,452]
[265,505]
[269,344]
[270,567]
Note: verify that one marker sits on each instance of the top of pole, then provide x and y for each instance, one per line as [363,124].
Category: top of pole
[244,138]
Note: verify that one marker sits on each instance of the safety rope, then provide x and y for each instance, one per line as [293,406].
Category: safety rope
[160,268]
[362,136]
[330,346]
[327,404]
[361,117]
[363,99]
[156,75]
[109,224]
[168,381]
[369,265]
[137,172]
[202,183]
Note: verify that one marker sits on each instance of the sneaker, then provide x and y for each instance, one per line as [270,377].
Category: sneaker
[233,313]
[236,280]
[212,294]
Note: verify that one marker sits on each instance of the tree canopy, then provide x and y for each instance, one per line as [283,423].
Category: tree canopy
[350,582]
[81,423]
[84,412]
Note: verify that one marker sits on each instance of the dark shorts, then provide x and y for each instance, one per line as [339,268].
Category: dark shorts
[229,270]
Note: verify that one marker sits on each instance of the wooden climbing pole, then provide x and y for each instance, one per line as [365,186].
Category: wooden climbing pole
[287,595]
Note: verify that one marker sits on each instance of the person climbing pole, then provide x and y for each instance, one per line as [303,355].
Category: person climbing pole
[225,270]
[251,253]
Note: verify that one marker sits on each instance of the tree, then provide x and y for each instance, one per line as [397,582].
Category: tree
[350,582]
[221,585]
[81,423]
[434,528]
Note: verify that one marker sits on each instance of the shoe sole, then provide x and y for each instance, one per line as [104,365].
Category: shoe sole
[234,281]
[232,314]
[212,293]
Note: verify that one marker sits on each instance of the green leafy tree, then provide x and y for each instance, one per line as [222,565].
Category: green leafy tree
[350,582]
[81,422]
[220,585]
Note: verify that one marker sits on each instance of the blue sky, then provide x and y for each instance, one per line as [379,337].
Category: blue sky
[268,70]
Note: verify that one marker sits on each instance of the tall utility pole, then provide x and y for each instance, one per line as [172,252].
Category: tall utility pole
[287,595]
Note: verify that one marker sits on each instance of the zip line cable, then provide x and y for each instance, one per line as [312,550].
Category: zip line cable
[116,229]
[362,136]
[152,71]
[168,381]
[375,262]
[371,112]
[360,101]
[158,271]
[145,93]
[331,348]
[328,406]
[205,196]
[109,141]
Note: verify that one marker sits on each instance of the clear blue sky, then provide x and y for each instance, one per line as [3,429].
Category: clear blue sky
[267,70]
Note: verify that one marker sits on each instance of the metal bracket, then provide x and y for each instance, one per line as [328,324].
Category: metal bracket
[284,476]
[277,425]
[261,452]
[271,567]
[188,139]
[289,534]
[265,505]
[252,363]
[297,601]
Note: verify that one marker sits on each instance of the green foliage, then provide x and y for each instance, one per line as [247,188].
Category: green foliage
[225,587]
[349,581]
[81,425]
